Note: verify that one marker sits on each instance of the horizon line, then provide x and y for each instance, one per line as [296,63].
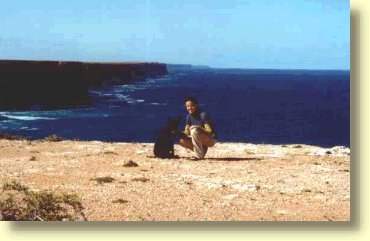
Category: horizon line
[197,66]
[200,66]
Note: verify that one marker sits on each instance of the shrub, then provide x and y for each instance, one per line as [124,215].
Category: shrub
[32,158]
[101,180]
[140,179]
[21,204]
[120,201]
[7,136]
[53,138]
[130,163]
[110,152]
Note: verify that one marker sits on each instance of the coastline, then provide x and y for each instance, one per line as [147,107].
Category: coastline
[236,181]
[35,84]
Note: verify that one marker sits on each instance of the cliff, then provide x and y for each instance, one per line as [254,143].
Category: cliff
[56,84]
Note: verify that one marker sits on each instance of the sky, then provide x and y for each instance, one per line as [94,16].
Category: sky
[272,34]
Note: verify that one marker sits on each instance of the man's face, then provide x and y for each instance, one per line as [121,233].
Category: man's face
[191,107]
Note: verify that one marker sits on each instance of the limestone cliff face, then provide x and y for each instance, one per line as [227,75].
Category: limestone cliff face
[57,84]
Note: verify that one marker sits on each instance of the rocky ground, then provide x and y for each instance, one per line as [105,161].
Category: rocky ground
[236,181]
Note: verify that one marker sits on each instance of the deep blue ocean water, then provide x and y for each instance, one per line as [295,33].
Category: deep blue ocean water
[254,106]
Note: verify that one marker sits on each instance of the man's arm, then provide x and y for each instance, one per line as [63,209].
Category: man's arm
[187,126]
[207,128]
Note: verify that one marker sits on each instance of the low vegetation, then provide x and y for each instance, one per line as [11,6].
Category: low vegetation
[32,158]
[53,138]
[140,179]
[7,136]
[110,153]
[130,163]
[19,203]
[120,201]
[101,180]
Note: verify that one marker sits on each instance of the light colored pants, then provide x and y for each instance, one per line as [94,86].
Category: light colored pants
[198,141]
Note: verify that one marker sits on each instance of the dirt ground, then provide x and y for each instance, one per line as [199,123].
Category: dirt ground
[236,181]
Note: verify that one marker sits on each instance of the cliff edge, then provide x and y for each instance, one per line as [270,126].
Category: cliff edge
[28,84]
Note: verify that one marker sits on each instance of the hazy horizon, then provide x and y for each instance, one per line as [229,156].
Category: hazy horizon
[189,64]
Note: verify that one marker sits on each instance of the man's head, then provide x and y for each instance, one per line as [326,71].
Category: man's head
[191,105]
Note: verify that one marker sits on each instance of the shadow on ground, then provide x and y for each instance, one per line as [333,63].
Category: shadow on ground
[233,159]
[215,158]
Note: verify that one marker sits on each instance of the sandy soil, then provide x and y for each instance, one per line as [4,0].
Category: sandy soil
[236,181]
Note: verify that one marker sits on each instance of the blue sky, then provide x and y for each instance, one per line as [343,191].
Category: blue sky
[280,34]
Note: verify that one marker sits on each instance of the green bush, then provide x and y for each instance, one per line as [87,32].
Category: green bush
[19,203]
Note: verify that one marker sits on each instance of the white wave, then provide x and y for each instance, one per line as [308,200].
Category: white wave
[129,99]
[128,88]
[34,129]
[121,96]
[133,101]
[163,78]
[29,129]
[95,92]
[27,118]
[154,103]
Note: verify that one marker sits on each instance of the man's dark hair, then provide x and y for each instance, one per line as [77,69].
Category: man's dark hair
[192,99]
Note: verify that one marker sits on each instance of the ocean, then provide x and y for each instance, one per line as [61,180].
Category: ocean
[252,106]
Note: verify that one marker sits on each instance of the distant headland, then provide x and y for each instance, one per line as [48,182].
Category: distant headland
[28,84]
[186,66]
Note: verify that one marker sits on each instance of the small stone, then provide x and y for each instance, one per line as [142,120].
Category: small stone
[231,196]
[281,211]
[320,197]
